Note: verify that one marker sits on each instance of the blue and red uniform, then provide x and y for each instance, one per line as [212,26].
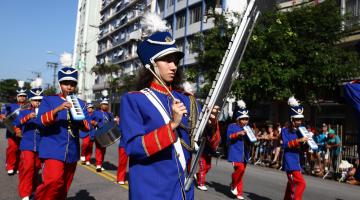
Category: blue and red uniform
[155,171]
[291,164]
[87,140]
[12,150]
[122,163]
[29,145]
[205,159]
[239,154]
[101,117]
[59,147]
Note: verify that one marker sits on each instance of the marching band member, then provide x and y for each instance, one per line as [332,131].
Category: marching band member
[99,118]
[27,126]
[12,150]
[239,150]
[155,131]
[291,142]
[87,137]
[59,144]
[122,161]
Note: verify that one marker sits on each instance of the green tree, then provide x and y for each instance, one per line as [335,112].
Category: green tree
[8,89]
[49,91]
[291,53]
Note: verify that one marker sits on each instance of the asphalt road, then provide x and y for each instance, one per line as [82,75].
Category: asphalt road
[260,183]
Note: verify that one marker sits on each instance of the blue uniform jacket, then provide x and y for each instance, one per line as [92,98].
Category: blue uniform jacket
[84,134]
[56,142]
[8,109]
[154,170]
[30,130]
[239,151]
[291,160]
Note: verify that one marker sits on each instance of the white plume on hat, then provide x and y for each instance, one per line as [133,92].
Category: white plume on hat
[151,23]
[66,59]
[293,102]
[241,104]
[36,83]
[21,83]
[105,93]
[189,87]
[88,101]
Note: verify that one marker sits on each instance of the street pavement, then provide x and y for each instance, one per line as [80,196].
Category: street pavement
[260,183]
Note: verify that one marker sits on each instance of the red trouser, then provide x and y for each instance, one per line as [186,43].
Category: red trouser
[57,177]
[123,158]
[237,177]
[13,153]
[99,154]
[204,167]
[295,186]
[28,170]
[86,148]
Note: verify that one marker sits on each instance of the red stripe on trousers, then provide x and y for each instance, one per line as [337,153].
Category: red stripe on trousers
[122,164]
[295,186]
[204,167]
[57,177]
[86,148]
[99,154]
[28,172]
[13,153]
[237,177]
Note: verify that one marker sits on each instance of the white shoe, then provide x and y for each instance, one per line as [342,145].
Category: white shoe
[121,182]
[87,163]
[234,191]
[82,158]
[202,187]
[10,172]
[25,198]
[240,197]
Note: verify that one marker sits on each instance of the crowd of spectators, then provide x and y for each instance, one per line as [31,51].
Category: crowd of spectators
[325,162]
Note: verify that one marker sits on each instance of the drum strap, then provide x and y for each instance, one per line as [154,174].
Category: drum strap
[157,103]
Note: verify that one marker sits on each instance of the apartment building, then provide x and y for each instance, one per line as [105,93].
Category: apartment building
[85,46]
[119,32]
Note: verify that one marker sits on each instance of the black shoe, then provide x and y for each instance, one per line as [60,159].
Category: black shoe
[98,169]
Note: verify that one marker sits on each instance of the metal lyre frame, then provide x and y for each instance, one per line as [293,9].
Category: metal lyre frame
[223,81]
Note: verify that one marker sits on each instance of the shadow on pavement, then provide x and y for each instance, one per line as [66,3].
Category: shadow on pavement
[224,189]
[82,195]
[106,164]
[254,196]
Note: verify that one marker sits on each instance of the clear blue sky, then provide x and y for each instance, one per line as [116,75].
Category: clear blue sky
[28,29]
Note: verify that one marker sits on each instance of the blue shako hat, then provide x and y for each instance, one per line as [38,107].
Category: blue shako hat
[242,112]
[21,91]
[89,104]
[158,41]
[105,97]
[296,110]
[67,73]
[35,93]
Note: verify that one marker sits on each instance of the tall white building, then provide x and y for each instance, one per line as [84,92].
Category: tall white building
[85,47]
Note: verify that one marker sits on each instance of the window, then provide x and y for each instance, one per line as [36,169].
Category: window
[195,14]
[170,3]
[180,45]
[180,19]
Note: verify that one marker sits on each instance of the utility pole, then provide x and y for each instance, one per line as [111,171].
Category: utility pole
[85,52]
[37,74]
[53,65]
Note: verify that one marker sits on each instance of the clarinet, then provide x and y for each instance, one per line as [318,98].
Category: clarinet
[76,110]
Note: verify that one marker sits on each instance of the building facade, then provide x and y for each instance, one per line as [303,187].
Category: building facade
[85,46]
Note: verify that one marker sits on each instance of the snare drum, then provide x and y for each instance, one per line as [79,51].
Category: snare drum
[8,121]
[107,134]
